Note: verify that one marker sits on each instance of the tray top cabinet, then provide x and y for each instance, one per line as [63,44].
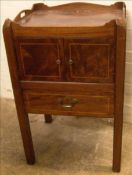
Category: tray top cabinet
[68,60]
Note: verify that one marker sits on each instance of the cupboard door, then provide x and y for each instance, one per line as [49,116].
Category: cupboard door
[90,61]
[40,59]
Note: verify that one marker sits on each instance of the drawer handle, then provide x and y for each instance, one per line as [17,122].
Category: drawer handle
[68,102]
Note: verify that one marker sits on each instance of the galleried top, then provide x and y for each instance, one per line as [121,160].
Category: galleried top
[72,14]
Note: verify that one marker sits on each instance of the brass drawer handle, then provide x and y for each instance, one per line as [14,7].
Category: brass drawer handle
[67,102]
[67,106]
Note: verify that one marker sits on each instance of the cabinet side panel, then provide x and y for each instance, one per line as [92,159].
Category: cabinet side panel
[119,95]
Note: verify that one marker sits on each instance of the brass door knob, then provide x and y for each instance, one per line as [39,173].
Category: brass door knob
[58,61]
[70,61]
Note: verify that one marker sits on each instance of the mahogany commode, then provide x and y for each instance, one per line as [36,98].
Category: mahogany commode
[68,60]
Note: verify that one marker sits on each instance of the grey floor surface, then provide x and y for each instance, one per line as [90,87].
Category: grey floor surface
[68,146]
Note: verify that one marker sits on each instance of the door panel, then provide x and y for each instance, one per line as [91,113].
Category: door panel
[40,59]
[89,61]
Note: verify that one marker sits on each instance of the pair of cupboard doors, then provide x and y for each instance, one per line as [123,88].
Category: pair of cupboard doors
[66,59]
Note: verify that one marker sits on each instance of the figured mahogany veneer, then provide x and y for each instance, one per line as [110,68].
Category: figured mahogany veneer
[79,60]
[91,61]
[37,56]
[68,60]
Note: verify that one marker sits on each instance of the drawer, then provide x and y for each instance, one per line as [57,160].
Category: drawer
[68,101]
[69,104]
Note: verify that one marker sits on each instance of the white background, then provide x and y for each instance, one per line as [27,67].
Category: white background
[10,8]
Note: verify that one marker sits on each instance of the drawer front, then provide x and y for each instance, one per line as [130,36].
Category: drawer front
[67,101]
[90,60]
[69,104]
[39,59]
